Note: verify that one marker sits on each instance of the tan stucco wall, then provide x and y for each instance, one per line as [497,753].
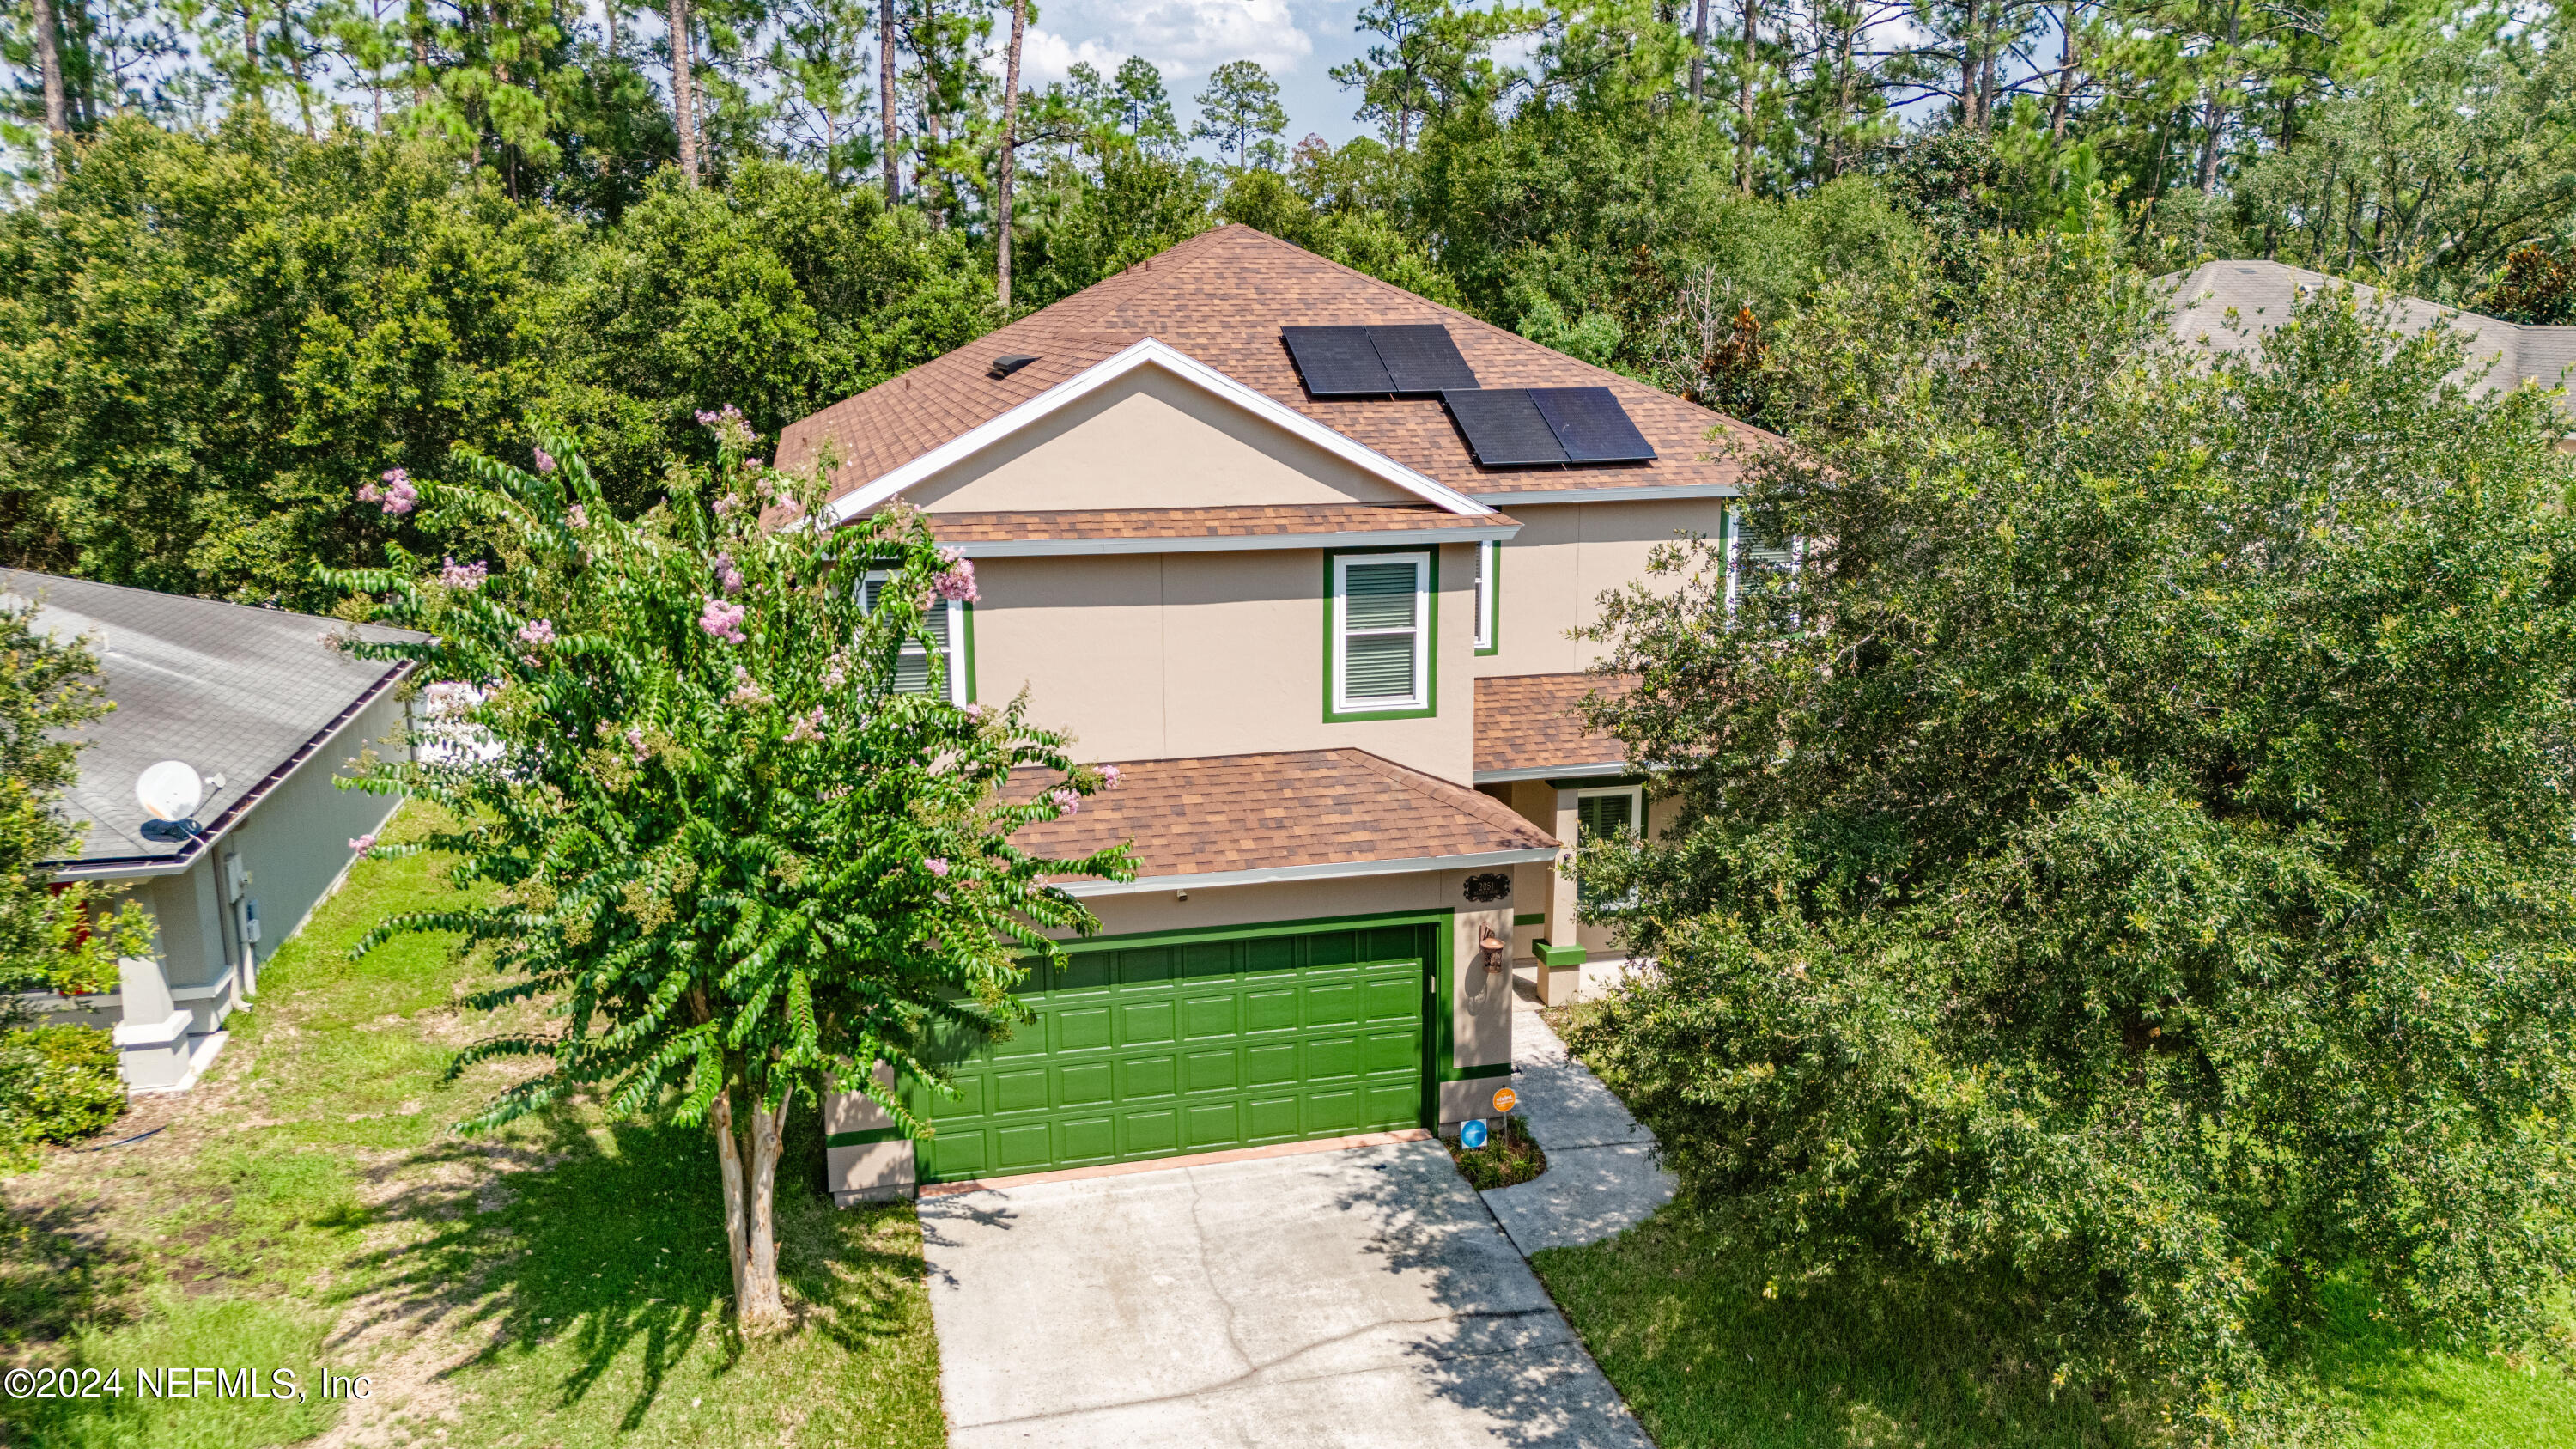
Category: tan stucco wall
[1165,656]
[1564,558]
[1149,440]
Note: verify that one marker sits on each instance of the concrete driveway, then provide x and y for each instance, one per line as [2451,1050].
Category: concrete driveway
[1355,1297]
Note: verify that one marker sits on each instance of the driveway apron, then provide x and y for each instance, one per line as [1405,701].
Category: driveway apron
[1357,1297]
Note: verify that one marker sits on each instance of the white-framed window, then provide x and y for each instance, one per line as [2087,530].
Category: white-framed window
[932,666]
[1742,550]
[1489,595]
[1615,812]
[1378,630]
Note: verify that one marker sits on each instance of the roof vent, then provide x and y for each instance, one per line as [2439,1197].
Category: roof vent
[1005,366]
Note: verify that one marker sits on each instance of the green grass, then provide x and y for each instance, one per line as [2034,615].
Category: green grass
[560,1282]
[1508,1159]
[1685,1330]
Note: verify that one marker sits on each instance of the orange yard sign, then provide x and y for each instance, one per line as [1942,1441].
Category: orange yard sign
[1506,1099]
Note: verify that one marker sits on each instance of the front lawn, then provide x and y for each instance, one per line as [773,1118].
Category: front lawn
[1712,1355]
[556,1283]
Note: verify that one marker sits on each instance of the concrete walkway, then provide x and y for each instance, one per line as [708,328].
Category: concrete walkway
[1359,1298]
[1601,1174]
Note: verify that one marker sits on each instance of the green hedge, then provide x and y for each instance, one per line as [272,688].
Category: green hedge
[57,1084]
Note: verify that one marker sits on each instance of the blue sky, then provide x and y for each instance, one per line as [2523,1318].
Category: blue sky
[1299,40]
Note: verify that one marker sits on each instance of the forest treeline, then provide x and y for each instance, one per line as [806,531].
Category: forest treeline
[256,255]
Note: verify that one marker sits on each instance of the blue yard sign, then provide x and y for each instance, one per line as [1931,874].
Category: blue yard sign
[1472,1136]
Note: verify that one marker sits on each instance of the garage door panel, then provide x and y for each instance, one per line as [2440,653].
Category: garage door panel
[1142,1077]
[1270,1010]
[1212,1071]
[1328,1057]
[1155,966]
[1143,1052]
[1211,1125]
[1208,1016]
[1088,1139]
[1271,1119]
[1150,1134]
[1084,1084]
[1021,1091]
[1148,1023]
[1078,1029]
[1270,1063]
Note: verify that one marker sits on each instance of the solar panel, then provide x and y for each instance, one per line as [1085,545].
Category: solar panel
[1503,426]
[1337,361]
[1591,425]
[1421,358]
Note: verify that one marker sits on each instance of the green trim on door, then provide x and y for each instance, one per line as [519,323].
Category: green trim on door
[1530,918]
[863,1138]
[966,626]
[1470,1074]
[1196,1041]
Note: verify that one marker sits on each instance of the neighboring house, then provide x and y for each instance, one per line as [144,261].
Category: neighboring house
[268,715]
[2230,305]
[1299,551]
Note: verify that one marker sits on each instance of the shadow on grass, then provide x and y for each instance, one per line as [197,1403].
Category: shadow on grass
[605,1241]
[59,1269]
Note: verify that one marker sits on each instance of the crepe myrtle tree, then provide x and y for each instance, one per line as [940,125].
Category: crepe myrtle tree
[731,858]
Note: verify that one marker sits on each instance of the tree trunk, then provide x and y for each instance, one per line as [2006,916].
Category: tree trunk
[1744,99]
[2065,97]
[762,1305]
[2213,116]
[417,14]
[1010,150]
[1986,77]
[729,1167]
[609,10]
[682,110]
[885,98]
[1699,51]
[49,64]
[295,64]
[1968,69]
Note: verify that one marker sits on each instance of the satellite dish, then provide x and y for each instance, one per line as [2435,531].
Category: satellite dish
[170,790]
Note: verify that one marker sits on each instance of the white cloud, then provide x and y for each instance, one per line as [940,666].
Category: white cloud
[1184,38]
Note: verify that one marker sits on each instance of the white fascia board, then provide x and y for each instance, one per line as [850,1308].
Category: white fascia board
[1340,870]
[1613,495]
[1153,352]
[1611,770]
[1052,547]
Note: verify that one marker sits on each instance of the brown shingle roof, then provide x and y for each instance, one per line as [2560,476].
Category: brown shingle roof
[1275,521]
[1297,808]
[1221,297]
[1529,722]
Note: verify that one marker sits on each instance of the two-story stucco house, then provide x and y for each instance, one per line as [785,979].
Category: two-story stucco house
[1298,551]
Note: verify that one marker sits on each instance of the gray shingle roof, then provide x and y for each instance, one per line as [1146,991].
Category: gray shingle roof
[230,689]
[2261,295]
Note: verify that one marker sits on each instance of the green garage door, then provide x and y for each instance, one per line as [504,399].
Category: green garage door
[1147,1051]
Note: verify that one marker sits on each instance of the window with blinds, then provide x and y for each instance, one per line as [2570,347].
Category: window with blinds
[1381,632]
[1489,568]
[1749,554]
[1602,815]
[927,662]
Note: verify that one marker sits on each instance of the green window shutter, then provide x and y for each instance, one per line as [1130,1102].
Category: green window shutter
[1605,814]
[1381,630]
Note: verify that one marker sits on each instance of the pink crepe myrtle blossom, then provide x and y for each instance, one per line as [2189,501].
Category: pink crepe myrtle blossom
[545,460]
[722,620]
[809,726]
[727,575]
[1068,801]
[537,633]
[635,742]
[955,583]
[729,426]
[746,690]
[935,866]
[363,844]
[725,506]
[464,576]
[397,497]
[577,516]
